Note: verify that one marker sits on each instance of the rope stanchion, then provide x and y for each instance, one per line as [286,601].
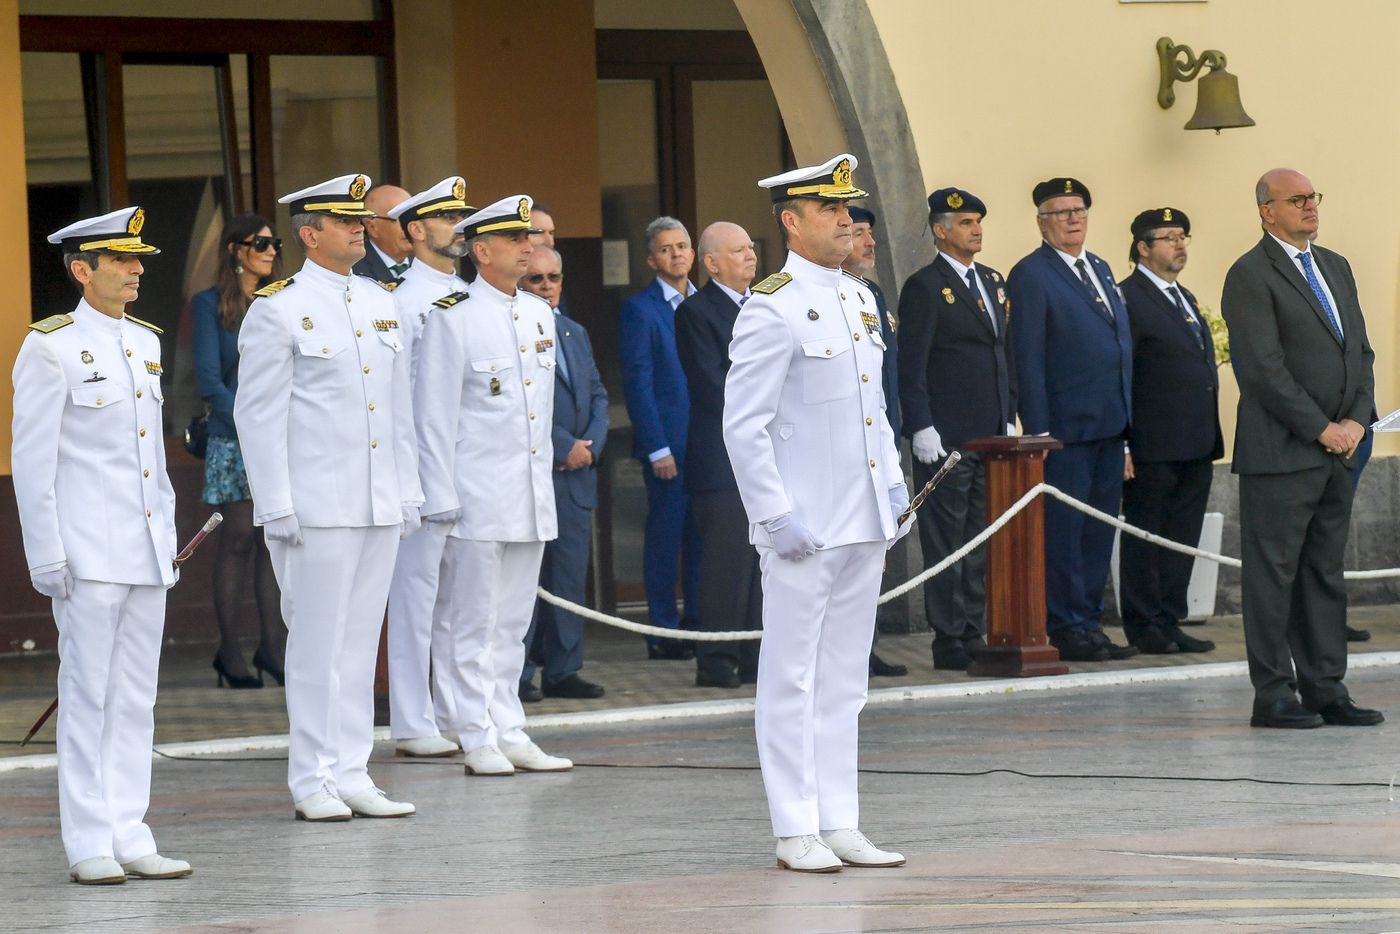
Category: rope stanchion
[921,578]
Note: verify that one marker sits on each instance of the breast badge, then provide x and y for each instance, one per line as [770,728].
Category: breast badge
[87,357]
[307,324]
[153,367]
[95,378]
[543,345]
[948,296]
[812,314]
[495,386]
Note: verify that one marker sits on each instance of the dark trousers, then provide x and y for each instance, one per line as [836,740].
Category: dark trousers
[956,600]
[1078,548]
[555,639]
[1293,532]
[672,544]
[731,587]
[1168,499]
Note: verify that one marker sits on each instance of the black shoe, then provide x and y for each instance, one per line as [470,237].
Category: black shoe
[261,663]
[573,686]
[1358,635]
[1153,641]
[670,650]
[1115,652]
[530,694]
[1188,643]
[235,681]
[879,668]
[950,656]
[1075,645]
[716,676]
[1344,712]
[1285,714]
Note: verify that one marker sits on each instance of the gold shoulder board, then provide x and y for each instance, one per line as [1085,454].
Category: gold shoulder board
[145,324]
[773,283]
[272,288]
[51,323]
[447,301]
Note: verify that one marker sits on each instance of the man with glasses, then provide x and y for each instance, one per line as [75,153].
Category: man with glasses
[388,253]
[418,628]
[1073,351]
[1304,365]
[1175,434]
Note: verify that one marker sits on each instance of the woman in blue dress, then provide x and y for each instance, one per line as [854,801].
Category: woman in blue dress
[250,257]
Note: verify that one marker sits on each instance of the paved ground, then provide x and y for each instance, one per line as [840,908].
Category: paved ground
[1126,809]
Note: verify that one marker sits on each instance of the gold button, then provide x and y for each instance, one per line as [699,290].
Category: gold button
[864,378]
[843,296]
[522,348]
[371,406]
[870,421]
[516,316]
[142,432]
[872,463]
[325,350]
[493,369]
[828,351]
[375,444]
[128,353]
[138,393]
[145,473]
[532,450]
[527,381]
[148,514]
[99,401]
[349,297]
[366,369]
[359,333]
[532,416]
[855,336]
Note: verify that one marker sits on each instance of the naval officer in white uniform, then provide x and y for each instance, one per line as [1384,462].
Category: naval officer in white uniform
[484,403]
[325,415]
[818,471]
[98,515]
[418,626]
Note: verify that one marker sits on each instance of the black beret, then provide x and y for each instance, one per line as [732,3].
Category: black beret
[860,215]
[1159,217]
[946,200]
[1059,187]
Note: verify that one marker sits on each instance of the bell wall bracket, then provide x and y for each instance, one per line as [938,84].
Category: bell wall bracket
[1174,68]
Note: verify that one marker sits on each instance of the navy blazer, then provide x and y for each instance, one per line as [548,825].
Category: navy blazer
[1074,362]
[889,370]
[653,382]
[1176,388]
[580,411]
[214,350]
[958,374]
[704,328]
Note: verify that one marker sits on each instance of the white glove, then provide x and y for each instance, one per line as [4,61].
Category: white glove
[286,530]
[56,584]
[449,516]
[1011,431]
[411,520]
[899,501]
[928,447]
[792,540]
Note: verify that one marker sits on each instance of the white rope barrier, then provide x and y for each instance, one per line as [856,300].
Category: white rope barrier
[919,579]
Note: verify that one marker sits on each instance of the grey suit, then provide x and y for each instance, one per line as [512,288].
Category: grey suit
[1295,377]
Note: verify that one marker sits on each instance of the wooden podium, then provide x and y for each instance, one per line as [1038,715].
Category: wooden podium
[1016,644]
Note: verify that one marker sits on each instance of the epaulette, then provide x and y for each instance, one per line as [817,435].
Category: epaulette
[854,276]
[272,288]
[447,301]
[773,283]
[145,324]
[51,323]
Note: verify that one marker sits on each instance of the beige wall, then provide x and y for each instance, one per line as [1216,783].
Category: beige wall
[14,242]
[1032,91]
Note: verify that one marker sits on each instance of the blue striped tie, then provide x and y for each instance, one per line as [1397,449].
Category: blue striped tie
[1316,286]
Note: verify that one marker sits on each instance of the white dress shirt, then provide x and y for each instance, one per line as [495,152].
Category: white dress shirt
[1293,254]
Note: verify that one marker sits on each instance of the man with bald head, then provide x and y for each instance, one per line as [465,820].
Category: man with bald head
[1299,348]
[388,253]
[731,592]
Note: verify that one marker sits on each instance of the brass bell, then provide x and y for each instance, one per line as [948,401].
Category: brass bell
[1218,104]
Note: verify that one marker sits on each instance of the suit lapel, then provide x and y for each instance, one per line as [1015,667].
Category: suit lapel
[1288,268]
[959,286]
[1071,278]
[562,336]
[994,289]
[1168,307]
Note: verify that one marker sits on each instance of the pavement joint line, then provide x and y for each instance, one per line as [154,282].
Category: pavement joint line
[718,708]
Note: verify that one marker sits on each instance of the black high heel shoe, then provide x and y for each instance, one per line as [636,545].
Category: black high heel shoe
[235,681]
[262,665]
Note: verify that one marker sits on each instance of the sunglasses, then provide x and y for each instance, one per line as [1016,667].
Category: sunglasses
[538,277]
[263,244]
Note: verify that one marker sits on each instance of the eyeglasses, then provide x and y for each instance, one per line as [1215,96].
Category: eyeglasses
[1174,239]
[263,244]
[537,278]
[1067,213]
[1301,201]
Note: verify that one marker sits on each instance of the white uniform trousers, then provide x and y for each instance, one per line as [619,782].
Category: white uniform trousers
[492,589]
[813,672]
[419,633]
[334,588]
[109,656]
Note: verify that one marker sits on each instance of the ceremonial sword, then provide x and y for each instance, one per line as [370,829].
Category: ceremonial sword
[933,481]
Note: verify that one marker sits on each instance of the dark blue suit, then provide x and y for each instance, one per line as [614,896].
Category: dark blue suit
[1074,369]
[214,350]
[658,405]
[580,414]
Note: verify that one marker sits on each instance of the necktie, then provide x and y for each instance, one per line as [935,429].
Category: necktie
[1316,286]
[1089,284]
[1190,318]
[742,299]
[977,297]
[398,269]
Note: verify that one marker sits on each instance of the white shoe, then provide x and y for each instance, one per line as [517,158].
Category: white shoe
[807,853]
[97,870]
[854,849]
[156,866]
[487,760]
[426,747]
[373,802]
[322,805]
[528,757]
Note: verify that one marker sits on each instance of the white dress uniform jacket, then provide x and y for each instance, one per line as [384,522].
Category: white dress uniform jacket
[800,378]
[89,451]
[324,407]
[420,287]
[487,448]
